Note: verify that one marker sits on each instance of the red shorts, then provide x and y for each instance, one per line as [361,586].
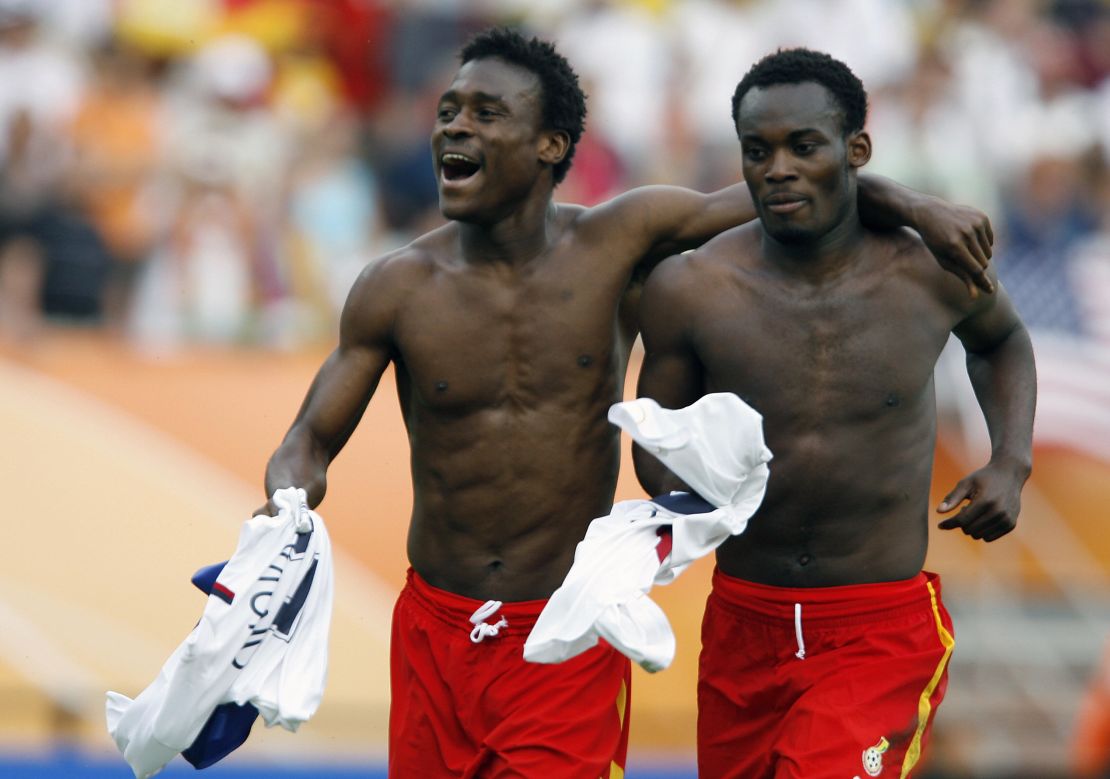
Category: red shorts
[466,709]
[861,702]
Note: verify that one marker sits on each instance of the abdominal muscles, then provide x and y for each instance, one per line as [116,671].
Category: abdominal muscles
[845,504]
[503,495]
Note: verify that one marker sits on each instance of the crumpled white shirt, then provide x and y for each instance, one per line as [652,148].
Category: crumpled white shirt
[715,446]
[251,650]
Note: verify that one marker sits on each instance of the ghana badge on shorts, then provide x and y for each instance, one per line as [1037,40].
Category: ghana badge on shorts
[873,757]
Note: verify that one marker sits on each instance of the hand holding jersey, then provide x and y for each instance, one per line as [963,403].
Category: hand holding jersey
[261,642]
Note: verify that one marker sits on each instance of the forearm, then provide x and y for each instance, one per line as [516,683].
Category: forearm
[1005,383]
[300,461]
[685,219]
[885,204]
[959,237]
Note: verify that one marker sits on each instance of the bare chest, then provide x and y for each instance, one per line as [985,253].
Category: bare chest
[486,339]
[808,359]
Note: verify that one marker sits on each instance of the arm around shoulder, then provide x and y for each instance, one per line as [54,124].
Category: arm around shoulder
[959,237]
[659,220]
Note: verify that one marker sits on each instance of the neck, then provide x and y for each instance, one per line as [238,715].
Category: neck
[822,258]
[514,239]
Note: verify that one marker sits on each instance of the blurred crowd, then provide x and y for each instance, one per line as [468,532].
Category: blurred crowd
[218,171]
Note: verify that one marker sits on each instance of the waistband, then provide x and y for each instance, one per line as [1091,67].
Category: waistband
[842,604]
[456,610]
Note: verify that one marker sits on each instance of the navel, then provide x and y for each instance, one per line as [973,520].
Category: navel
[893,400]
[585,361]
[441,386]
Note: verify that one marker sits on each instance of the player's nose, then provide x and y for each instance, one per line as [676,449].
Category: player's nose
[780,167]
[459,126]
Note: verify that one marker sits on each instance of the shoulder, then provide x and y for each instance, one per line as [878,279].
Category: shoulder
[573,221]
[405,266]
[904,254]
[698,273]
[738,246]
[383,286]
[724,254]
[571,213]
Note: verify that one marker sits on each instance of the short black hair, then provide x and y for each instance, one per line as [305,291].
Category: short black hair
[564,102]
[797,66]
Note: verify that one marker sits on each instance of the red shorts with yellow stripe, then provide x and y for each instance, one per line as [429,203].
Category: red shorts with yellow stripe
[821,683]
[465,703]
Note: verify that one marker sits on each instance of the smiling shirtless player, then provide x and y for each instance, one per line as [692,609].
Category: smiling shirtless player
[509,330]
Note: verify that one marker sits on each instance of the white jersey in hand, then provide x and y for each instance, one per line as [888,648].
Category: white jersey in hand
[262,639]
[716,447]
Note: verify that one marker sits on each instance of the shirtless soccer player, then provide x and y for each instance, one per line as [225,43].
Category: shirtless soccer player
[824,645]
[509,331]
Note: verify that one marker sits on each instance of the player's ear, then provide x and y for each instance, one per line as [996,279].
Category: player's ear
[554,145]
[859,149]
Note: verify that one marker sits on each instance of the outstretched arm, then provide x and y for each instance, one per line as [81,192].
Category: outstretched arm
[337,397]
[1003,374]
[960,237]
[671,374]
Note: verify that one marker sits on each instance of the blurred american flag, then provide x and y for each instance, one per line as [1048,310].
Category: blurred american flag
[1065,302]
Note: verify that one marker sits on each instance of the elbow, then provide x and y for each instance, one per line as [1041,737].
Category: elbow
[1013,348]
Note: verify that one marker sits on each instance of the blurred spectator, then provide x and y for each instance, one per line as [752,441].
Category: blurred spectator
[398,148]
[1088,23]
[716,43]
[876,38]
[597,174]
[78,24]
[621,53]
[217,273]
[422,56]
[116,136]
[335,223]
[49,261]
[994,79]
[255,170]
[167,28]
[308,88]
[926,142]
[356,34]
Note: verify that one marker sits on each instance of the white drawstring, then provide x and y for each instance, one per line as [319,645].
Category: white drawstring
[478,619]
[801,653]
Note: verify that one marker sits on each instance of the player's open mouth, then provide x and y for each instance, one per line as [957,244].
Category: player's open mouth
[457,168]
